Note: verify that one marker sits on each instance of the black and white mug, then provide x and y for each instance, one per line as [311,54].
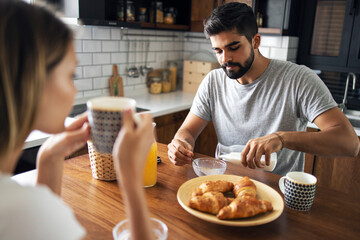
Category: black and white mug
[298,189]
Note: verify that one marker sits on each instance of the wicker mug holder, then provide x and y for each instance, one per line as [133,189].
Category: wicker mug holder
[102,165]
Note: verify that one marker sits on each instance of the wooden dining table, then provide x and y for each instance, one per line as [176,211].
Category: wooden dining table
[99,206]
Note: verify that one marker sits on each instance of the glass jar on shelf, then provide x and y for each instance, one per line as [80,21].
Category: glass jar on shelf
[120,10]
[166,84]
[170,15]
[169,19]
[130,11]
[173,74]
[159,12]
[142,14]
[155,85]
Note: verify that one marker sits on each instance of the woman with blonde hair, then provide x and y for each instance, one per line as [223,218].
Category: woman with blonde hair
[37,63]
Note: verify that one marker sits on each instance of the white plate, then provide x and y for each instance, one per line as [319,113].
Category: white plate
[264,192]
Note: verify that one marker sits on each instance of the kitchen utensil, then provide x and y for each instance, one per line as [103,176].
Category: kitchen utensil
[116,83]
[264,192]
[144,70]
[133,72]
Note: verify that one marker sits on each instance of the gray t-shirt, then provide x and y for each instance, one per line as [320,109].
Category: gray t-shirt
[284,98]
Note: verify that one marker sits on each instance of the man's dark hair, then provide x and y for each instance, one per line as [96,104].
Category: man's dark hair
[231,16]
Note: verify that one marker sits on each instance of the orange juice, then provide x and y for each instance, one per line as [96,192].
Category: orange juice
[151,167]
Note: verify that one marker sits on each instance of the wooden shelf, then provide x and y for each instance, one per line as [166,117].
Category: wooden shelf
[147,25]
[163,26]
[172,26]
[270,30]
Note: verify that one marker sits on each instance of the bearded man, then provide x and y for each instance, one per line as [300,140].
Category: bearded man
[260,103]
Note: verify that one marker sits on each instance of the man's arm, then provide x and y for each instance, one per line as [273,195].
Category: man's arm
[336,138]
[180,150]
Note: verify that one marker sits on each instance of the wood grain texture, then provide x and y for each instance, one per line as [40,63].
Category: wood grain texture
[207,141]
[98,206]
[167,125]
[309,158]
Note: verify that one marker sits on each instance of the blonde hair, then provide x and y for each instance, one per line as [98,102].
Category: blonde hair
[32,42]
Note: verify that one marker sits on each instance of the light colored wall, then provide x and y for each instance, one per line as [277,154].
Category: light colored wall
[279,47]
[98,48]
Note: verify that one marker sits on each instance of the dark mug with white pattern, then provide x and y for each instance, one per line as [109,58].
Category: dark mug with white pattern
[105,118]
[298,189]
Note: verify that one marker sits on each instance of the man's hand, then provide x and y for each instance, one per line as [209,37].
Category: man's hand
[180,152]
[255,148]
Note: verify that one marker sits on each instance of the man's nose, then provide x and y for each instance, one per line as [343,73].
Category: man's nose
[226,57]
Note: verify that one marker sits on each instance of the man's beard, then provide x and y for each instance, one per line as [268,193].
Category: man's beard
[242,69]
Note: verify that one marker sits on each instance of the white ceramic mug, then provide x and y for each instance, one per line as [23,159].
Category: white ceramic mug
[298,189]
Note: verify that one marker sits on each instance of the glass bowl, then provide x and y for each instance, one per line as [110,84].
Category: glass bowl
[208,166]
[122,230]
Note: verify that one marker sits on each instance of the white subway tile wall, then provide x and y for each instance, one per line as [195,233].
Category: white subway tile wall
[98,48]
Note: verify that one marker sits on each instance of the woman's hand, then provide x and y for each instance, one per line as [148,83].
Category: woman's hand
[53,151]
[132,146]
[129,154]
[65,143]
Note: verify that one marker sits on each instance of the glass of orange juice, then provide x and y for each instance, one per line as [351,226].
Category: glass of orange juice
[150,171]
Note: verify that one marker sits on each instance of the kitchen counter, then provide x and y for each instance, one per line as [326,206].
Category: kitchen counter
[165,103]
[158,104]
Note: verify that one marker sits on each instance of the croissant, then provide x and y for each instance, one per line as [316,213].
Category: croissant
[243,207]
[244,187]
[229,200]
[210,202]
[211,186]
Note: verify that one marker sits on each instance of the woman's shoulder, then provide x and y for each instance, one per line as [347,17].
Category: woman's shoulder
[39,213]
[24,196]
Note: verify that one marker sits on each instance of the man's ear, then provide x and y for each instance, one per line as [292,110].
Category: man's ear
[256,41]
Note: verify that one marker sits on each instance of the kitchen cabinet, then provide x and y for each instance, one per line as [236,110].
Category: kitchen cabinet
[167,126]
[207,141]
[279,17]
[340,174]
[330,36]
[126,13]
[200,9]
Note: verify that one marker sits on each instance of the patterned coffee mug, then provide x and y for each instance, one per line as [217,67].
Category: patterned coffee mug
[105,118]
[298,189]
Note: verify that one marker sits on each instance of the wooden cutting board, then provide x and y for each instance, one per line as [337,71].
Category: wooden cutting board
[116,83]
